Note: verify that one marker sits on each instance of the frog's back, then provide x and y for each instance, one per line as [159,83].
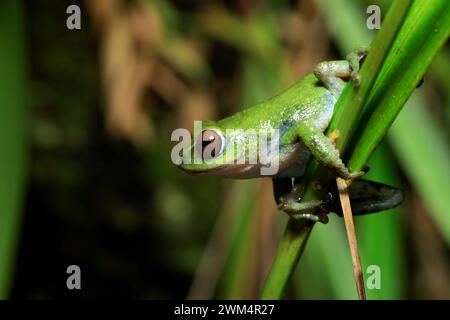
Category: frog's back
[305,101]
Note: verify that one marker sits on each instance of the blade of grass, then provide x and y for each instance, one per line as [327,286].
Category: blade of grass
[12,136]
[355,98]
[418,41]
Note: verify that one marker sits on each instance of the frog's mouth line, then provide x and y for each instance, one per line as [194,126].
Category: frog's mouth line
[223,170]
[203,172]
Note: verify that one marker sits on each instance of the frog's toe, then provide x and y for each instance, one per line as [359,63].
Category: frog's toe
[287,203]
[282,205]
[354,58]
[356,79]
[357,174]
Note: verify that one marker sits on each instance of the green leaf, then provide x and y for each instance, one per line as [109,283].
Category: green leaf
[12,136]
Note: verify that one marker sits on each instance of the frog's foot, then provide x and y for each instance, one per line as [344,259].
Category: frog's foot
[332,73]
[302,210]
[333,136]
[344,173]
[354,58]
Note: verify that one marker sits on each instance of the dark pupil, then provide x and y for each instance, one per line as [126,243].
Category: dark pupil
[209,144]
[207,140]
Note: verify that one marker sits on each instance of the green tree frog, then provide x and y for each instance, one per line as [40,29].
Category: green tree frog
[297,118]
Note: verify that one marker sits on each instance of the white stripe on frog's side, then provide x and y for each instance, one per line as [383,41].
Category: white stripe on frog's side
[292,163]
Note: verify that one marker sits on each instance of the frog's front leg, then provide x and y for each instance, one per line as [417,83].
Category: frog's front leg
[323,150]
[332,73]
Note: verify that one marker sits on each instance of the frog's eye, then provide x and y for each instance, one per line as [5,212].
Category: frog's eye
[210,144]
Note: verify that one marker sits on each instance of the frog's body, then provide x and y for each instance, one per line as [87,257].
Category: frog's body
[299,115]
[307,103]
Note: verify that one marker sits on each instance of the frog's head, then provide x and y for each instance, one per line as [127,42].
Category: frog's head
[208,152]
[218,150]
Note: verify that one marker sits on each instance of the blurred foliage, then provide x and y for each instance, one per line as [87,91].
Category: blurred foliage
[103,194]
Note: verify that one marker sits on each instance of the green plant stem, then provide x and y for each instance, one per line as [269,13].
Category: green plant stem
[12,137]
[288,253]
[297,232]
[418,42]
[353,98]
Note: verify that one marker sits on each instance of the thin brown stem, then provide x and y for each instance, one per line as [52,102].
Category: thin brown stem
[351,234]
